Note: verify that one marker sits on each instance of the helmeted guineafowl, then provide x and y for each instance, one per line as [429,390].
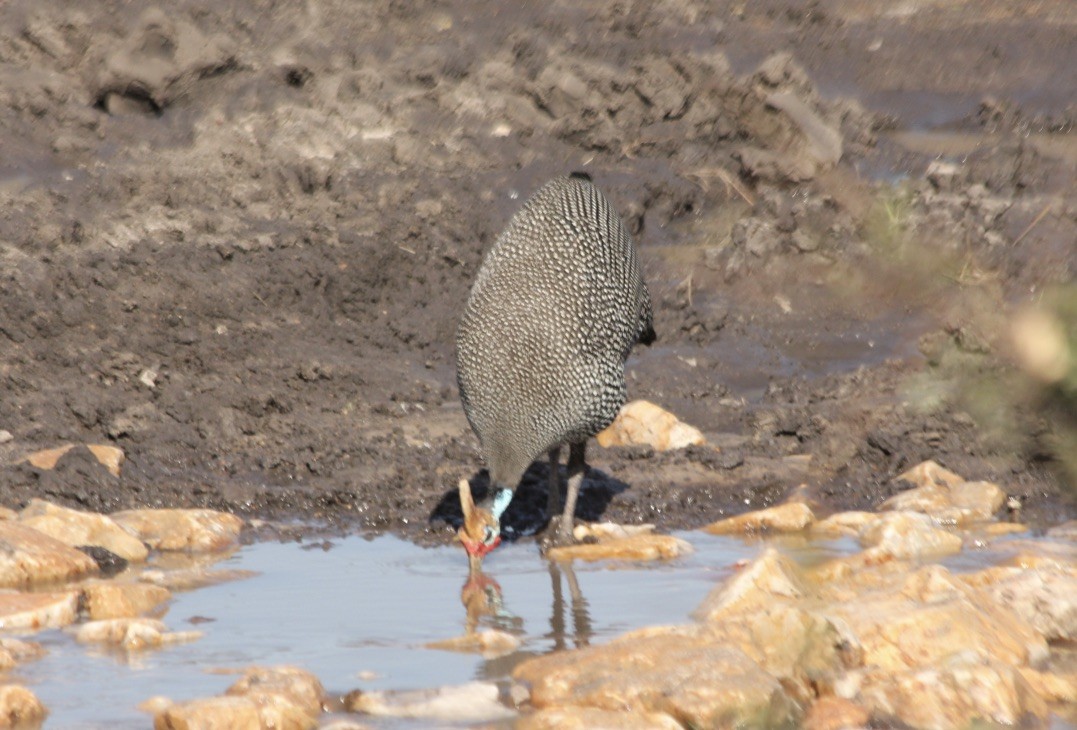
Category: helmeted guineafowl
[557,306]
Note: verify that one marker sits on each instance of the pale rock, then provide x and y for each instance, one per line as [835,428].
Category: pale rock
[850,576]
[599,531]
[16,651]
[35,611]
[1037,554]
[639,547]
[1065,531]
[6,513]
[132,634]
[804,651]
[835,713]
[944,499]
[942,174]
[642,423]
[767,579]
[186,579]
[1041,344]
[844,524]
[6,436]
[214,713]
[928,616]
[929,473]
[698,684]
[192,530]
[122,600]
[286,697]
[988,531]
[909,535]
[155,705]
[787,517]
[964,690]
[1045,597]
[590,718]
[490,643]
[30,557]
[108,456]
[343,724]
[1052,686]
[76,528]
[472,702]
[20,708]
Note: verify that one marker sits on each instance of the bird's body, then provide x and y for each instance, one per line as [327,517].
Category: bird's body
[557,306]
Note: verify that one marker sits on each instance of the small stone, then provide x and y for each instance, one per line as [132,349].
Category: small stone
[635,547]
[5,436]
[929,473]
[467,703]
[186,579]
[805,242]
[108,456]
[941,174]
[20,708]
[76,528]
[641,423]
[156,705]
[36,611]
[192,530]
[132,634]
[28,556]
[598,531]
[490,643]
[946,497]
[122,600]
[788,517]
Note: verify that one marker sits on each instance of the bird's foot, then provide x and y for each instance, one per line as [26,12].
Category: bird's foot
[558,533]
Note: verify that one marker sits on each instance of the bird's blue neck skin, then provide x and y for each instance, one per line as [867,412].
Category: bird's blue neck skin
[502,497]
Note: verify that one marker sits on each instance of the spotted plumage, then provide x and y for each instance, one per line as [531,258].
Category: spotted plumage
[555,310]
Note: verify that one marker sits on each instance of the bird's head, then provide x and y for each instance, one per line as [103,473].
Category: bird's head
[481,531]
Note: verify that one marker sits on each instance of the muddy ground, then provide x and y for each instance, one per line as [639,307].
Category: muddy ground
[235,238]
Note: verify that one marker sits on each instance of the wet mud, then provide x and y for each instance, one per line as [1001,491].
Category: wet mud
[235,238]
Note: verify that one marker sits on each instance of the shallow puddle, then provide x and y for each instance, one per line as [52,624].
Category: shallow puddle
[358,613]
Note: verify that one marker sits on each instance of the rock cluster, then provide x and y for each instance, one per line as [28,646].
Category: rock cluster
[884,635]
[47,546]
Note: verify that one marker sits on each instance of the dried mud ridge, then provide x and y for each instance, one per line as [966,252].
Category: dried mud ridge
[237,247]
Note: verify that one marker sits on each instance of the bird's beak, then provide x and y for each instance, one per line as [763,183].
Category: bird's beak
[474,563]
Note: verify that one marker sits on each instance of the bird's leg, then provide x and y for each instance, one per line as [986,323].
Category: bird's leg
[553,493]
[577,465]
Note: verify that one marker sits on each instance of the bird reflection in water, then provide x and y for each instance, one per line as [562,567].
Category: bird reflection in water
[484,605]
